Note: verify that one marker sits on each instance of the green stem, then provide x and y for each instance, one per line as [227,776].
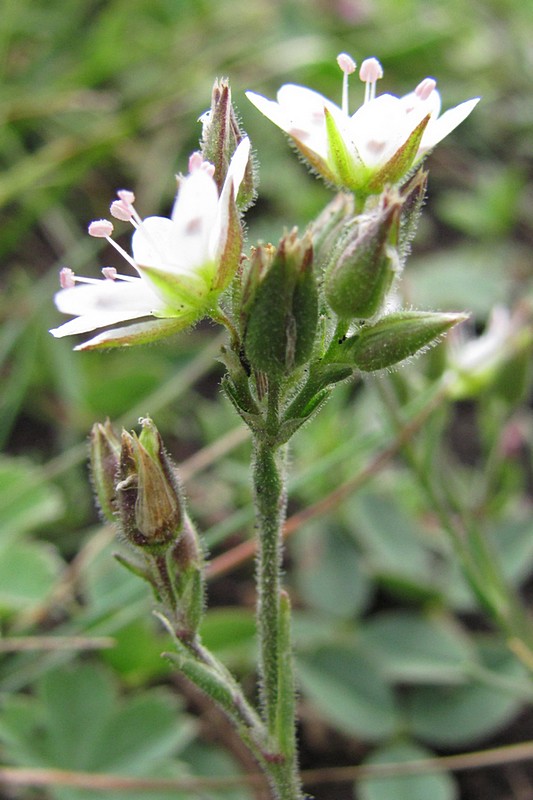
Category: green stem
[276,683]
[270,507]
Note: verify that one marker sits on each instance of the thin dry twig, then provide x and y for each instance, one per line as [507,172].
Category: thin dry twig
[496,756]
[18,644]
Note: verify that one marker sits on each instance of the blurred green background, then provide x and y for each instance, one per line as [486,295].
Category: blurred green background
[96,96]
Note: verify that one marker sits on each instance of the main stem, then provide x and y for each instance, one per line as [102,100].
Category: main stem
[277,691]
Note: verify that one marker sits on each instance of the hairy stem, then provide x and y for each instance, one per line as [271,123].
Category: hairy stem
[276,683]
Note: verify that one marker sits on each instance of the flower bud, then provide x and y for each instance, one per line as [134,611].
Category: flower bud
[364,263]
[220,137]
[398,336]
[328,228]
[186,569]
[413,194]
[148,496]
[104,458]
[281,306]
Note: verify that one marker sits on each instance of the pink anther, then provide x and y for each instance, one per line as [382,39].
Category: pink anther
[100,228]
[195,161]
[126,196]
[121,210]
[346,63]
[425,87]
[67,278]
[371,70]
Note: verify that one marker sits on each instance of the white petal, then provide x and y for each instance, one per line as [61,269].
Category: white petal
[300,102]
[157,243]
[237,165]
[377,129]
[104,303]
[300,113]
[438,129]
[413,105]
[270,109]
[196,204]
[233,181]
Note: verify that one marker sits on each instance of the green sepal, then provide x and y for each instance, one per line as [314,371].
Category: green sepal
[400,163]
[398,336]
[364,264]
[281,314]
[220,138]
[413,195]
[329,226]
[254,421]
[104,459]
[134,567]
[216,141]
[231,255]
[316,163]
[139,333]
[344,165]
[313,394]
[183,293]
[185,569]
[149,503]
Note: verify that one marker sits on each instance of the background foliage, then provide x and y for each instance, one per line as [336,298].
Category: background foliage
[395,658]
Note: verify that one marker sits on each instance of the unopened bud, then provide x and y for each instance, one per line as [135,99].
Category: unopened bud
[104,457]
[398,336]
[364,263]
[282,307]
[329,227]
[148,495]
[220,137]
[186,566]
[413,194]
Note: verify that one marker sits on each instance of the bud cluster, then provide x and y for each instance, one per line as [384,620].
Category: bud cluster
[136,487]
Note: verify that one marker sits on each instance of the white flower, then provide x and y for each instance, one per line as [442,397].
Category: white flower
[377,144]
[474,362]
[182,263]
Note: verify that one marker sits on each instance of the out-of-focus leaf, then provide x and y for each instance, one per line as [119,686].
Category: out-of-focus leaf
[329,571]
[28,572]
[78,721]
[349,690]
[27,499]
[437,786]
[412,648]
[469,278]
[451,716]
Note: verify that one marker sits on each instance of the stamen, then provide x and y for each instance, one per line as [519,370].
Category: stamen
[197,161]
[347,65]
[67,278]
[370,72]
[123,207]
[121,210]
[126,196]
[102,228]
[111,274]
[425,87]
